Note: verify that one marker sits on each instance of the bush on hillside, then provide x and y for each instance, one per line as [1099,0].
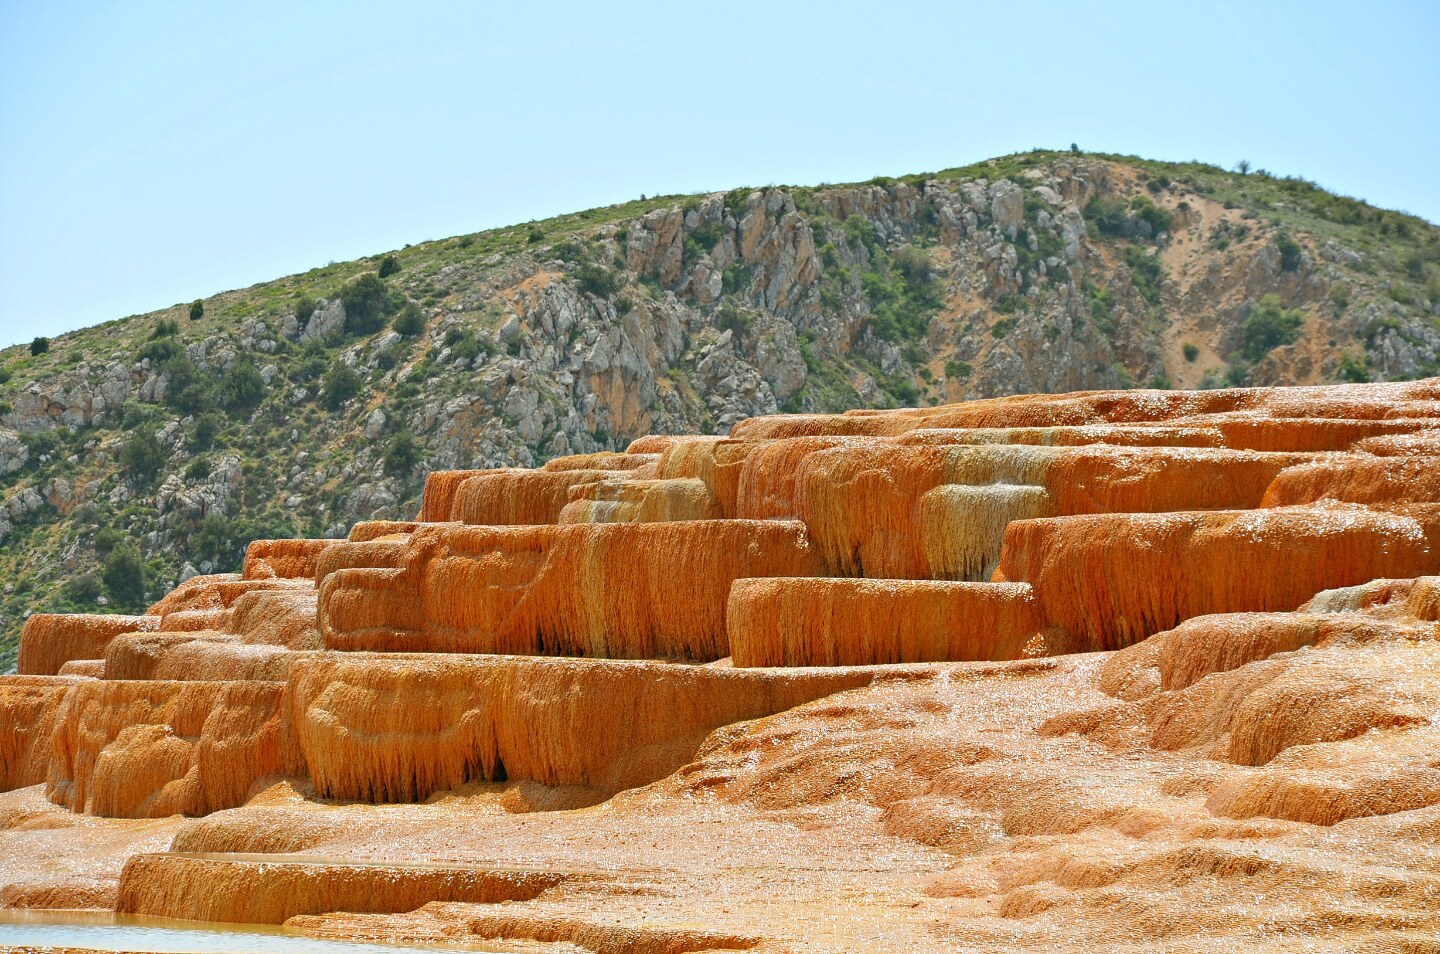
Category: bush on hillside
[1268,326]
[142,457]
[366,301]
[594,280]
[241,387]
[304,308]
[39,345]
[409,322]
[389,265]
[207,426]
[1290,254]
[401,455]
[340,385]
[123,574]
[197,310]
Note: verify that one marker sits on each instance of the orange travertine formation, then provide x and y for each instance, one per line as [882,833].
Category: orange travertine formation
[271,890]
[282,559]
[931,512]
[641,501]
[621,590]
[1116,579]
[496,717]
[440,488]
[518,497]
[785,622]
[641,465]
[1384,480]
[217,592]
[50,640]
[28,708]
[150,749]
[1095,670]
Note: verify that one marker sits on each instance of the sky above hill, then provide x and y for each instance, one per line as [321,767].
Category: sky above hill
[157,152]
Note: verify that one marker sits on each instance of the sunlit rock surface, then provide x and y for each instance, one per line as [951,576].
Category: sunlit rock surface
[1109,671]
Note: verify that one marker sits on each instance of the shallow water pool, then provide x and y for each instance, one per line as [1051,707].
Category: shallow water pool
[112,932]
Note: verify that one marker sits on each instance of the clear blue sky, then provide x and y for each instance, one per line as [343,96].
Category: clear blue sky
[155,152]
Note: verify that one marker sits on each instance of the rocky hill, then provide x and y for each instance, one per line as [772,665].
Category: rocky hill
[141,451]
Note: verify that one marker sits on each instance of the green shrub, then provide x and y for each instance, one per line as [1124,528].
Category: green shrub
[1152,215]
[304,308]
[1414,266]
[1145,272]
[1191,350]
[160,350]
[107,539]
[206,427]
[916,267]
[902,389]
[1268,326]
[1353,369]
[1003,327]
[736,278]
[390,357]
[1290,252]
[188,389]
[466,346]
[860,229]
[82,590]
[957,370]
[401,455]
[123,574]
[39,345]
[597,281]
[197,469]
[389,265]
[409,322]
[366,301]
[142,457]
[1008,303]
[535,236]
[733,320]
[1108,215]
[1102,308]
[213,539]
[197,310]
[1339,298]
[166,328]
[241,387]
[701,241]
[341,383]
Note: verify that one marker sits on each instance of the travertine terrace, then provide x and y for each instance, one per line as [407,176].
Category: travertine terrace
[1139,670]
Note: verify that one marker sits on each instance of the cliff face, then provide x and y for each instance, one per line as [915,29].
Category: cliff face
[310,402]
